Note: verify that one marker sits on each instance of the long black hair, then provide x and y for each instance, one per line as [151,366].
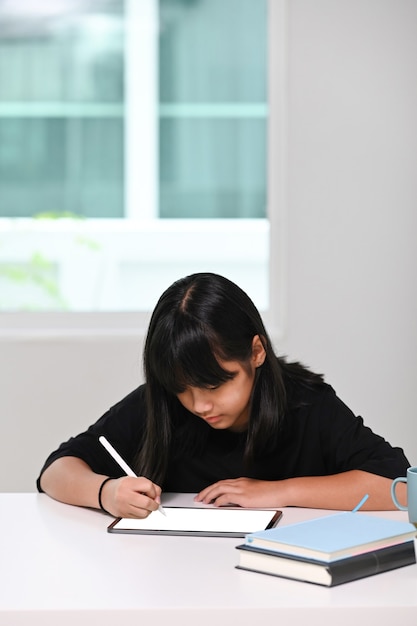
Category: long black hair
[200,320]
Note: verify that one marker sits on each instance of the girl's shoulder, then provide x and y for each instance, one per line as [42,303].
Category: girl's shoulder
[295,372]
[303,386]
[132,401]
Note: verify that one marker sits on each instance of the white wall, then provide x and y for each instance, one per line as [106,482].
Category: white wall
[352,212]
[351,283]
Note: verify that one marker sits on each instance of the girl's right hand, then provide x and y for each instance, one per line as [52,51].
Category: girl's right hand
[130,497]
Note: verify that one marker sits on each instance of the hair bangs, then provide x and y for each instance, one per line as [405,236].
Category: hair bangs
[190,359]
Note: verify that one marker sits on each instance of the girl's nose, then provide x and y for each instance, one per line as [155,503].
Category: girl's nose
[202,404]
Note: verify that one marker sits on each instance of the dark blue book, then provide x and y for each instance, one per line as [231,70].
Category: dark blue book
[324,573]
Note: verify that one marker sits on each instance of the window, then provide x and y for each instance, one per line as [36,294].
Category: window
[133,150]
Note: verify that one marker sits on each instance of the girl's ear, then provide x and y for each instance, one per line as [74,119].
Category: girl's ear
[258,351]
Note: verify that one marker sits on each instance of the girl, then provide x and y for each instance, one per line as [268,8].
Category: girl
[222,416]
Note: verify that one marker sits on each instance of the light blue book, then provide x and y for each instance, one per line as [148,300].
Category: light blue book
[333,537]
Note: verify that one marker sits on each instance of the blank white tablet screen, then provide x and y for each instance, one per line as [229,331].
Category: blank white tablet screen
[200,520]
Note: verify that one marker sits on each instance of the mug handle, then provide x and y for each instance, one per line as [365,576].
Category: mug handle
[393,495]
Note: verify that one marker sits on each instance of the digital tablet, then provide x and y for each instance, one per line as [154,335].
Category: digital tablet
[194,521]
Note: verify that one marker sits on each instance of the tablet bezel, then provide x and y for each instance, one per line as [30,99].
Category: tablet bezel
[273,521]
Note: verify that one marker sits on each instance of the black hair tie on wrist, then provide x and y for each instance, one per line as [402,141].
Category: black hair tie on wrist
[106,480]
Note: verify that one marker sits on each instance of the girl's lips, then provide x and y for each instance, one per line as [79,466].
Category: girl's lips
[213,418]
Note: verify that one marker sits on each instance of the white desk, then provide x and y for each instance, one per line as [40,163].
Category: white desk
[59,566]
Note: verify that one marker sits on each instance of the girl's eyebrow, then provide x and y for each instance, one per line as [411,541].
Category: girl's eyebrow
[232,372]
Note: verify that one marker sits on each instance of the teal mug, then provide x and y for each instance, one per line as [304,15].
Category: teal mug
[411,481]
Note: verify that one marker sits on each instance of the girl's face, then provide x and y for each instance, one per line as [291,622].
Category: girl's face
[228,405]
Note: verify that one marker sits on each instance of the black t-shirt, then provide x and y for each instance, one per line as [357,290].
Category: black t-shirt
[321,436]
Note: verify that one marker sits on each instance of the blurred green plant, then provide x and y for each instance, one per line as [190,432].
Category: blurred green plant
[39,272]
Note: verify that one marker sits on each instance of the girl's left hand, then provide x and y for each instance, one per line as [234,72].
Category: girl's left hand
[245,492]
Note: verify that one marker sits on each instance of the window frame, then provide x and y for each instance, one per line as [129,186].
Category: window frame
[67,325]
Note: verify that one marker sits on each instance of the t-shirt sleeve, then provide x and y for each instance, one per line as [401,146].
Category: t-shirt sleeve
[348,444]
[123,427]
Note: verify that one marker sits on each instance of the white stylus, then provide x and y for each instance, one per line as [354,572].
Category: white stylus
[116,456]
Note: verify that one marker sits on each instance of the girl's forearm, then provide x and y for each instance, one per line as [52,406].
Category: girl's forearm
[71,480]
[342,491]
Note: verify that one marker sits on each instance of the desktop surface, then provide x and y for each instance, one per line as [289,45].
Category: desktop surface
[61,566]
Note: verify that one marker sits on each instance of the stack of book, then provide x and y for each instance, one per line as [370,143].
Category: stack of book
[330,550]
